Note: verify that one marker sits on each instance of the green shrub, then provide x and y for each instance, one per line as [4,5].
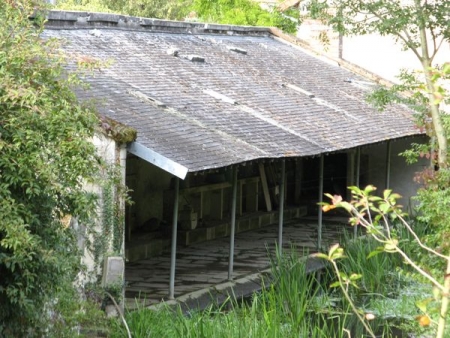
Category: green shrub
[162,9]
[45,158]
[242,12]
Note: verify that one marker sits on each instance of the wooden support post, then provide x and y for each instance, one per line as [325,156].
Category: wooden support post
[265,187]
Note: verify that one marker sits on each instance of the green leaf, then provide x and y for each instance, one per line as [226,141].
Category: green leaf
[391,246]
[384,208]
[422,304]
[387,193]
[320,255]
[375,252]
[335,252]
[335,284]
[355,276]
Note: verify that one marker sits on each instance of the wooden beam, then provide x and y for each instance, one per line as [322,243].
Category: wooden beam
[265,186]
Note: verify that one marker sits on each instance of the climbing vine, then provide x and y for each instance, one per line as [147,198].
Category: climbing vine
[106,238]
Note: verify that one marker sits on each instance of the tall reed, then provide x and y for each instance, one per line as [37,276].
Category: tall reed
[295,304]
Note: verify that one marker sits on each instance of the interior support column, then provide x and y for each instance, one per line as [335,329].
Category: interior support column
[233,225]
[388,164]
[358,171]
[350,174]
[173,253]
[298,180]
[319,218]
[281,210]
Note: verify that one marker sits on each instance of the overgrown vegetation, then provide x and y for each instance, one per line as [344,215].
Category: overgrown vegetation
[297,304]
[381,217]
[420,27]
[167,9]
[244,12]
[47,159]
[237,12]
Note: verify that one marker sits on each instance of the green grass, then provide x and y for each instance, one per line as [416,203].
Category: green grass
[379,272]
[297,304]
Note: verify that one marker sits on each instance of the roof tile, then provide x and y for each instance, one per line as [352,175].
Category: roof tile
[260,118]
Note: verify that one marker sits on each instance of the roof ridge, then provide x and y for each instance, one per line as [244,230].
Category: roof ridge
[63,19]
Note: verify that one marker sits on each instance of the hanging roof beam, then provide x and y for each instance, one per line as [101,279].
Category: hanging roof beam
[158,160]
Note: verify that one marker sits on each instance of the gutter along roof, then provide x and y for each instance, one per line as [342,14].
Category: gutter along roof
[205,96]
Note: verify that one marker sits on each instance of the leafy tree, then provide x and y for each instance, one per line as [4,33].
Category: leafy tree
[46,157]
[84,5]
[421,26]
[237,12]
[242,12]
[164,9]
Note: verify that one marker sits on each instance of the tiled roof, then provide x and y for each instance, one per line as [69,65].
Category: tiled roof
[252,97]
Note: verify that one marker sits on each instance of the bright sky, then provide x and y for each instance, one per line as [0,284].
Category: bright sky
[383,56]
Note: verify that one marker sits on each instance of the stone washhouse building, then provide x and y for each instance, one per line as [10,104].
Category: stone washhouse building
[237,127]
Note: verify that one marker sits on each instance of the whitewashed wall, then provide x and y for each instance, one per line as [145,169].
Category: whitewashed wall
[111,153]
[401,174]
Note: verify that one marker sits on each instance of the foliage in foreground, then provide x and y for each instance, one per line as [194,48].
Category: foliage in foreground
[46,156]
[296,305]
[376,215]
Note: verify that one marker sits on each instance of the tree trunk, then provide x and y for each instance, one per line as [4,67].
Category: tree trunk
[431,88]
[436,117]
[444,303]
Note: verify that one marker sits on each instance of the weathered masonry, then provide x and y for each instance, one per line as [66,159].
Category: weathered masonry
[236,127]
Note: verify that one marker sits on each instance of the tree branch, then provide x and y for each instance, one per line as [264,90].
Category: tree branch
[436,49]
[417,239]
[420,270]
[408,42]
[347,296]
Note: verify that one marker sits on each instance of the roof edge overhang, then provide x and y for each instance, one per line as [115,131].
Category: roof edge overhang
[158,160]
[181,171]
